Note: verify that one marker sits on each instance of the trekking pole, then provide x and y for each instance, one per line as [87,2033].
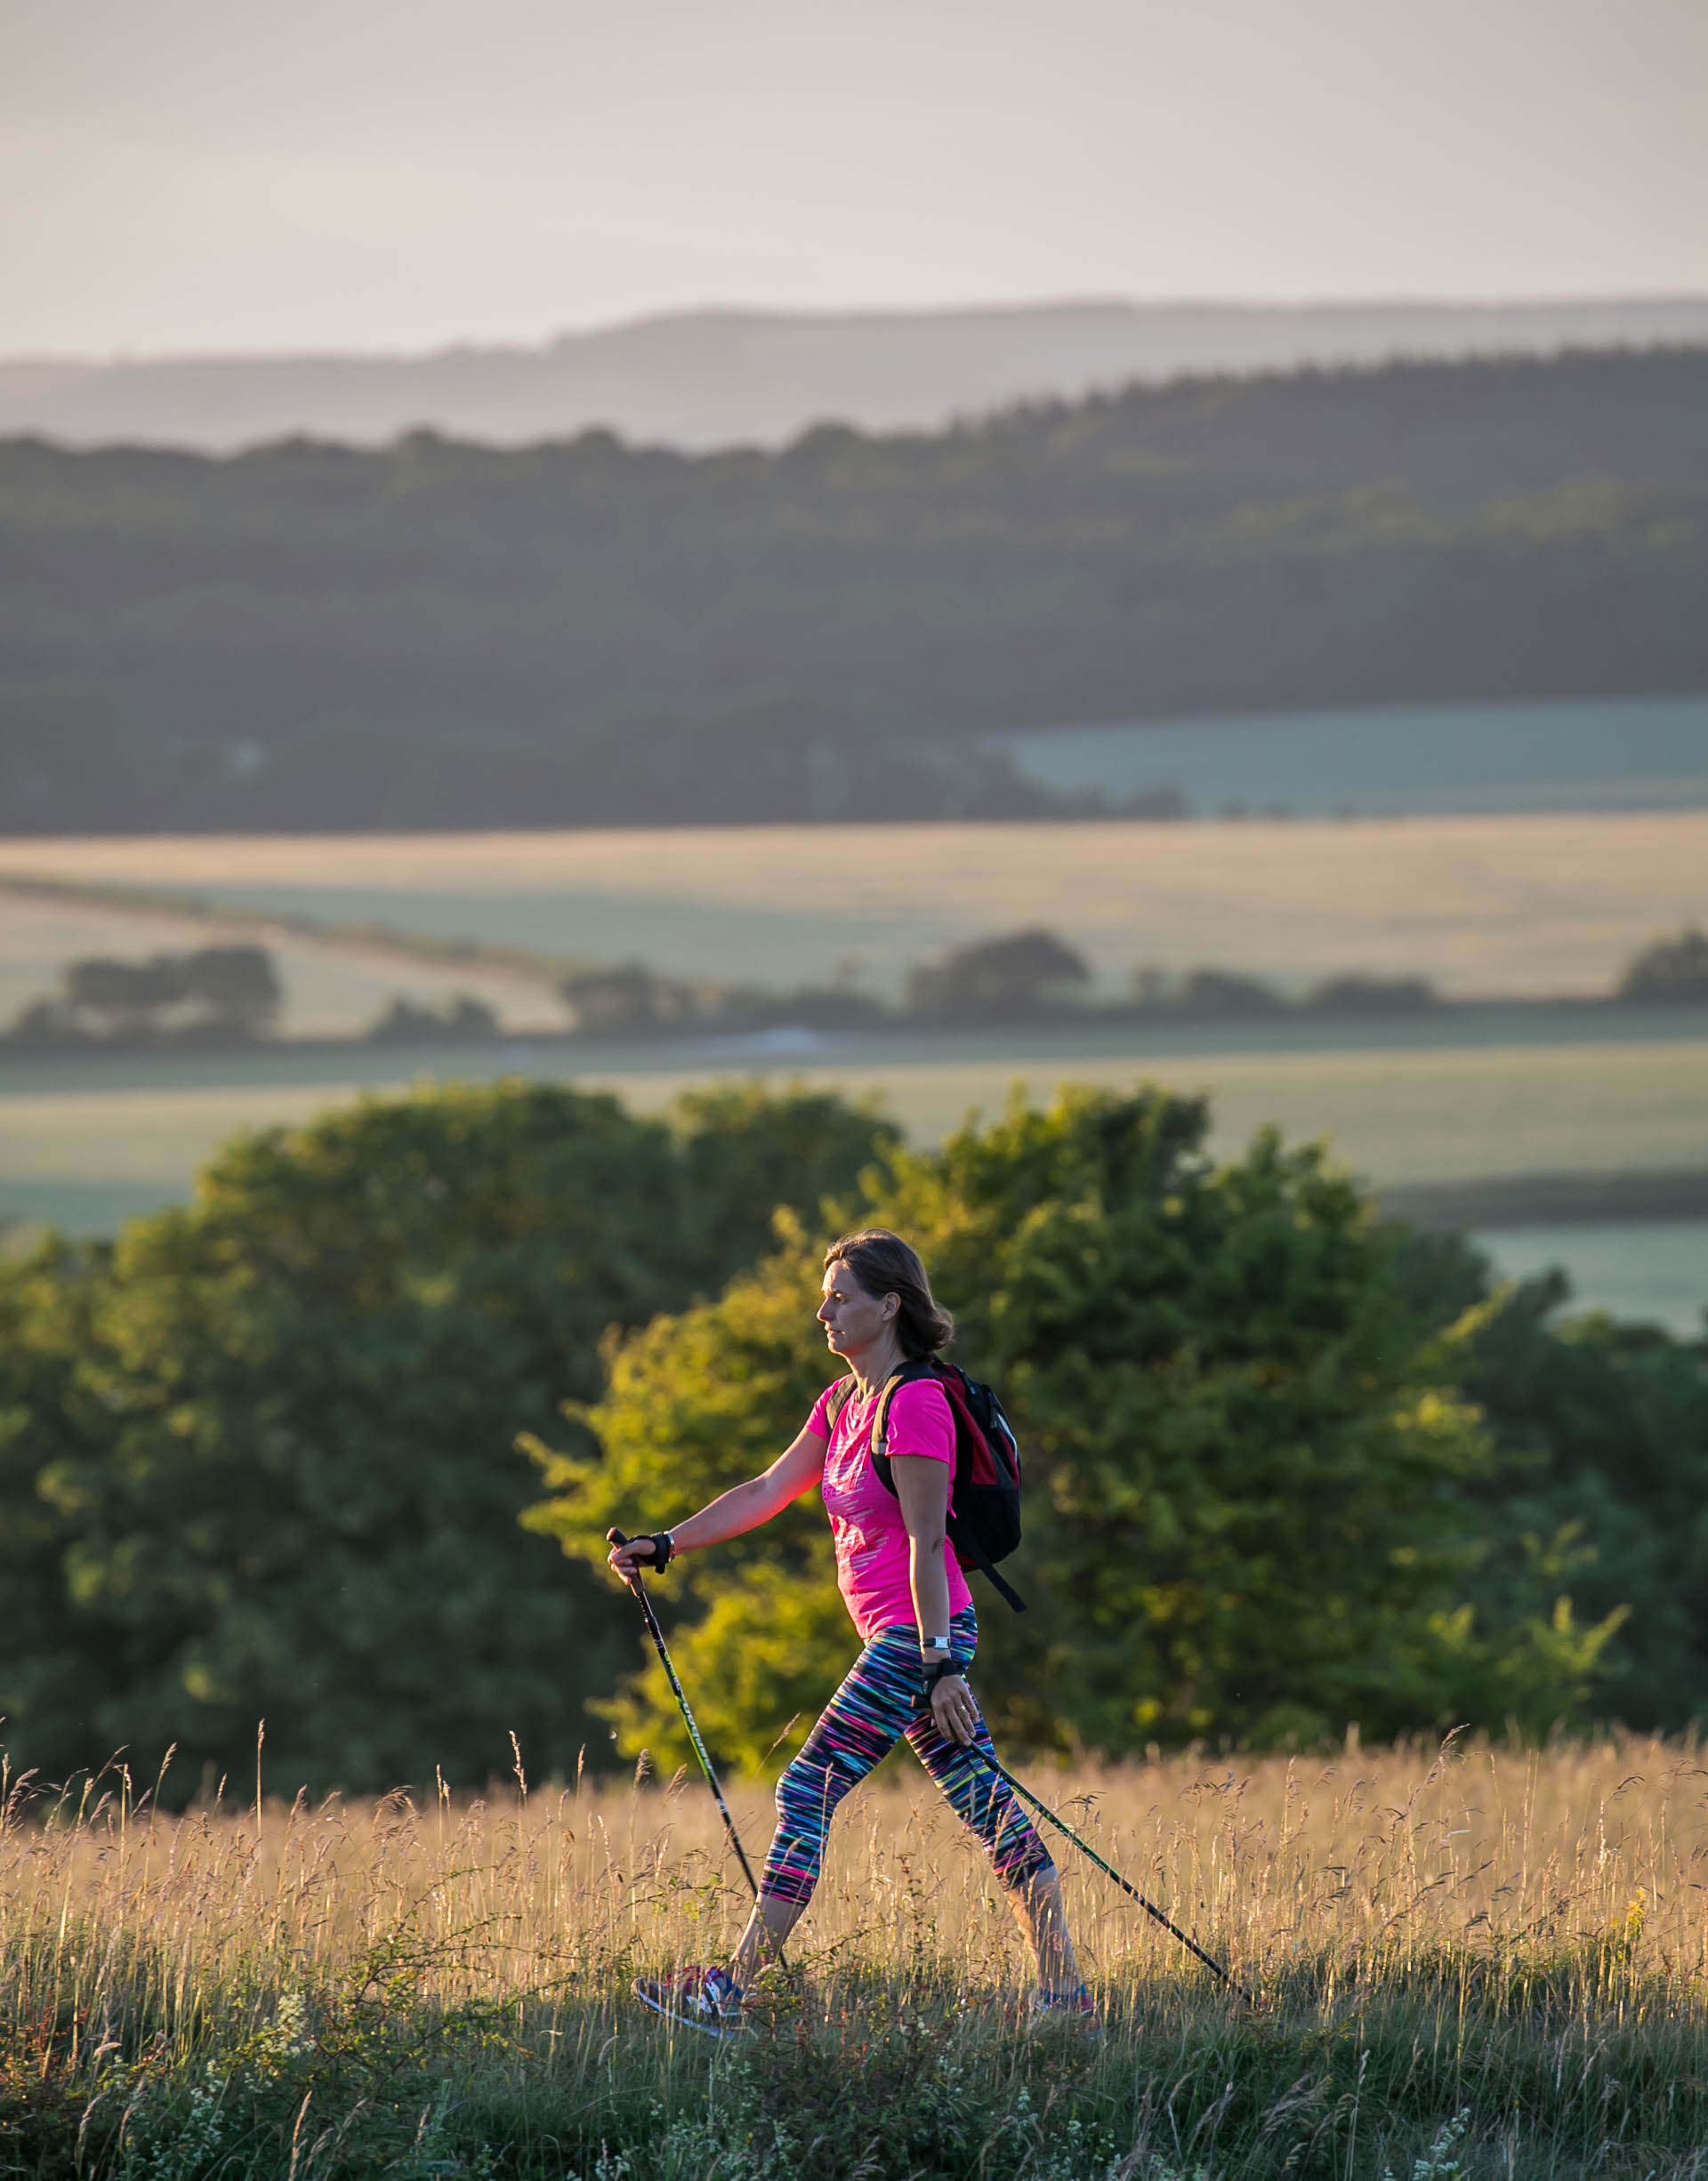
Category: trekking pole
[1109,1870]
[616,1537]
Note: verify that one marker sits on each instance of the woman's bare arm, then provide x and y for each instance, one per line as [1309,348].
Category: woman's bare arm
[743,1507]
[922,1488]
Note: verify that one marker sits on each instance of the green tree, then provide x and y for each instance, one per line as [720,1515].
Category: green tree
[1019,977]
[695,1404]
[744,1153]
[237,987]
[125,998]
[1603,1428]
[1669,971]
[407,1022]
[1249,1510]
[1225,992]
[47,1691]
[261,1456]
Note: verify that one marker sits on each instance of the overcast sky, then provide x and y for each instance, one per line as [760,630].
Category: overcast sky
[220,174]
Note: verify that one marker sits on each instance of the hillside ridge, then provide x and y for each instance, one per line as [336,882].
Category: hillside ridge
[718,377]
[579,632]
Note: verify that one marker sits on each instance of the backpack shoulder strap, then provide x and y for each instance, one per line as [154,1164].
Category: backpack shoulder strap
[953,1381]
[841,1394]
[904,1374]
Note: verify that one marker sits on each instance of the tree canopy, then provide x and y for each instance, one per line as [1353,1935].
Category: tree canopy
[256,1460]
[1287,1466]
[1252,1508]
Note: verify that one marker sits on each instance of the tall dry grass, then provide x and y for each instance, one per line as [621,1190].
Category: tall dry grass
[1505,1942]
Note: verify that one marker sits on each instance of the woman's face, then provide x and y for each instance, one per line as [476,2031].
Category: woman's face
[852,1319]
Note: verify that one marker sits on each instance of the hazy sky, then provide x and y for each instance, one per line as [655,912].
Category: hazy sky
[222,175]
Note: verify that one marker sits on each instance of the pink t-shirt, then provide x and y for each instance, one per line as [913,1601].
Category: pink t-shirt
[872,1543]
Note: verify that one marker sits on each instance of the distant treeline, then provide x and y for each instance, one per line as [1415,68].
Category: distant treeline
[1030,976]
[440,635]
[209,1000]
[230,995]
[214,997]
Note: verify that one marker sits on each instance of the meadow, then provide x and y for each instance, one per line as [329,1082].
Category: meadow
[1477,1961]
[84,1141]
[1525,905]
[333,987]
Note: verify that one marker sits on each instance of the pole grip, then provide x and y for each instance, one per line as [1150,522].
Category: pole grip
[615,1536]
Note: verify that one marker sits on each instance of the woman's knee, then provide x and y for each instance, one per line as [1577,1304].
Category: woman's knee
[811,1788]
[806,1796]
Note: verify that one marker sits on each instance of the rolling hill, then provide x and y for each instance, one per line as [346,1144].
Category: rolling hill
[719,378]
[433,634]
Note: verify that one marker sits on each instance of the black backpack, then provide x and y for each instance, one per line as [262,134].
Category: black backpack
[985,1527]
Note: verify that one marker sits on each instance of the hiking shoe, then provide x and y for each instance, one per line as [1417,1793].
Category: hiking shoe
[702,2000]
[1064,2010]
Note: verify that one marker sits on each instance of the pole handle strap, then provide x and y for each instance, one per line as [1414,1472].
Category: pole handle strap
[663,1543]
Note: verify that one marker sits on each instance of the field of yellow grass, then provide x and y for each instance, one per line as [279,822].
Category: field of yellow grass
[1525,904]
[1497,1953]
[1529,906]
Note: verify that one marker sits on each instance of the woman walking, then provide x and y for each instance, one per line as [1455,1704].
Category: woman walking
[910,1604]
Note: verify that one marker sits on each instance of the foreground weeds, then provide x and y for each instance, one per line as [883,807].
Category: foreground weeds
[1477,1965]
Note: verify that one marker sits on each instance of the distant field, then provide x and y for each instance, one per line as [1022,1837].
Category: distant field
[1597,753]
[76,1143]
[331,989]
[1656,1271]
[1523,904]
[1489,904]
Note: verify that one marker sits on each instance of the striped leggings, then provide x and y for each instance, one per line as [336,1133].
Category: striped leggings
[876,1705]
